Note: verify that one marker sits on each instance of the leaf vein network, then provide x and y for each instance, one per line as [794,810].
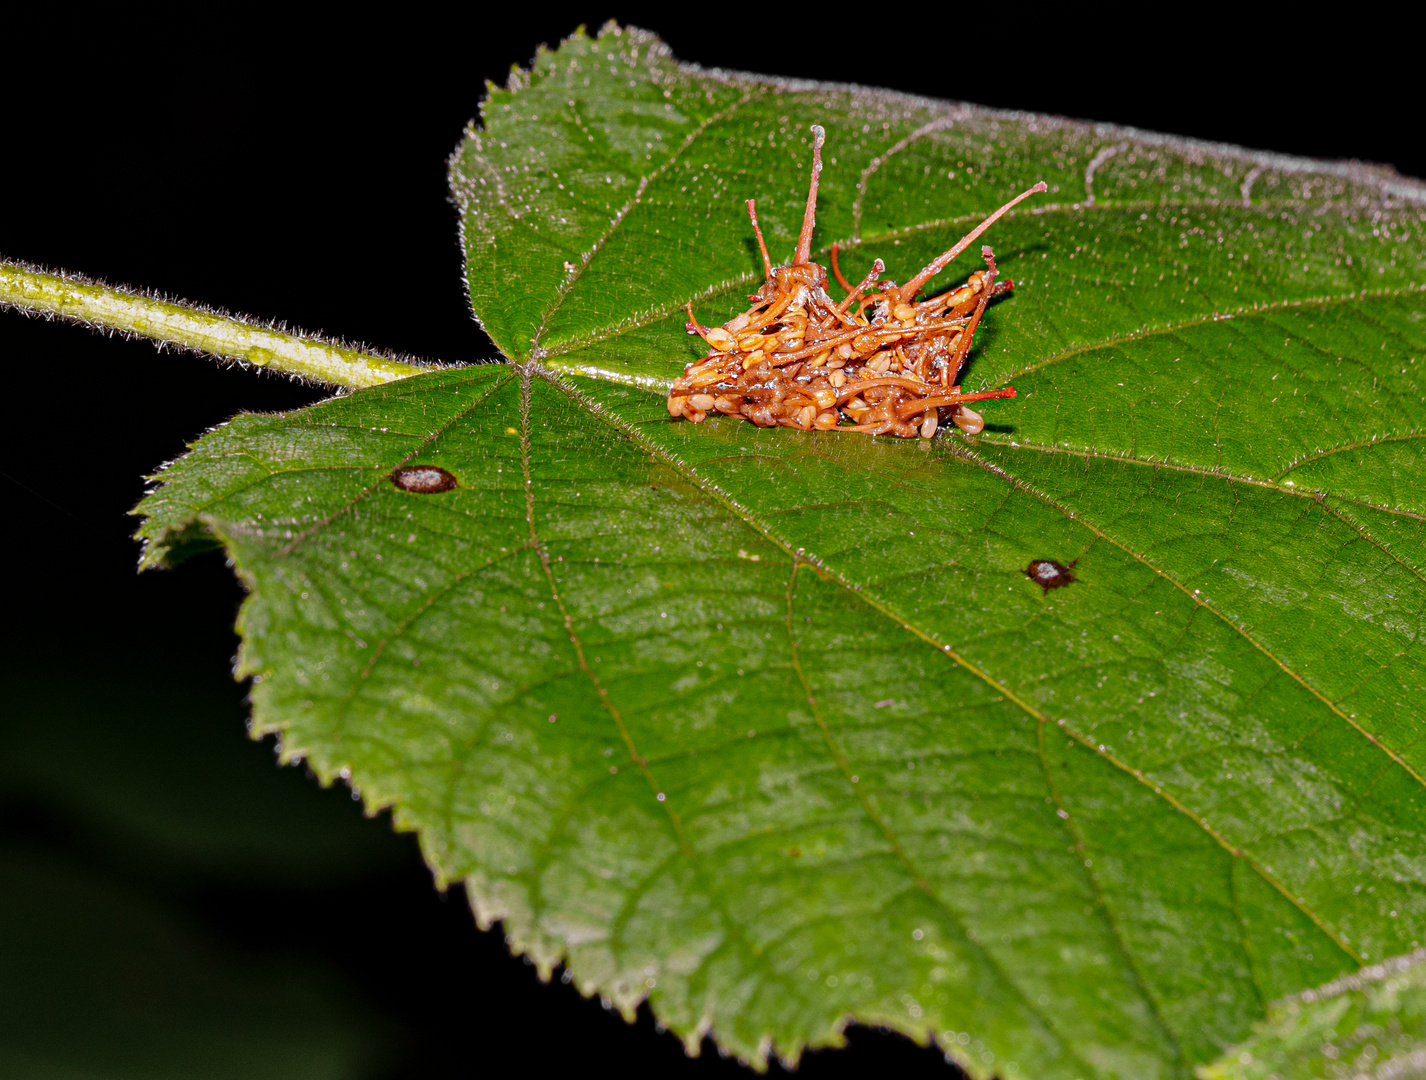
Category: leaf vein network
[746,515]
[440,430]
[1371,538]
[1198,470]
[1257,311]
[1126,955]
[567,286]
[696,478]
[919,880]
[1235,626]
[733,286]
[684,845]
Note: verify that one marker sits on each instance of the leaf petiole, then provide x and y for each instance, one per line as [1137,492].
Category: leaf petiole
[187,327]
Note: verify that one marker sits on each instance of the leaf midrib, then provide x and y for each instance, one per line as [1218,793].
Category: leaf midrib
[1212,317]
[1318,497]
[1270,483]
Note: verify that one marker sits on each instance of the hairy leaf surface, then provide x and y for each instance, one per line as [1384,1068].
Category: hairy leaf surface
[1368,1025]
[772,728]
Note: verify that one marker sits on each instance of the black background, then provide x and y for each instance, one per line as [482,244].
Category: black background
[298,172]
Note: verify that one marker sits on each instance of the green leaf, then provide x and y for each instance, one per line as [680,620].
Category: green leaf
[772,728]
[1365,1025]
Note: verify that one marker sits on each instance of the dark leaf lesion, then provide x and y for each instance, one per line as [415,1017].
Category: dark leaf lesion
[424,479]
[1049,574]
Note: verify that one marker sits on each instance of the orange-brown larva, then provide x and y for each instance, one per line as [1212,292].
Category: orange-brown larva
[796,359]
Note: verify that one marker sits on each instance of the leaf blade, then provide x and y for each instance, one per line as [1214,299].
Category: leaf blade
[1120,816]
[1367,1021]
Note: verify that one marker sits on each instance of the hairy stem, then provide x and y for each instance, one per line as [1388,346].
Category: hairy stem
[192,328]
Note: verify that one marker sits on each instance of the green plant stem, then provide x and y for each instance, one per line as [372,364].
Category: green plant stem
[196,329]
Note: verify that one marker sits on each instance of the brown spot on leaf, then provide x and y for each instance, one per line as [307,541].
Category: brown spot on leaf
[1049,574]
[423,479]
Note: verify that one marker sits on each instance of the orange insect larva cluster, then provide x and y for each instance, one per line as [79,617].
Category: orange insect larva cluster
[796,359]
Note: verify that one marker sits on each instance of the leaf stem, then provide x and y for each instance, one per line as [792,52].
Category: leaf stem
[165,322]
